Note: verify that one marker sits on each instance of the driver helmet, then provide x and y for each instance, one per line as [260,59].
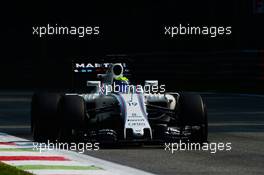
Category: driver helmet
[121,84]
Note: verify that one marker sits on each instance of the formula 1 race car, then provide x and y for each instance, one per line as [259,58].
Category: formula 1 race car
[114,111]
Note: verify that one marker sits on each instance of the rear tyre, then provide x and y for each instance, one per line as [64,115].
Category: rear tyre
[72,111]
[44,116]
[192,112]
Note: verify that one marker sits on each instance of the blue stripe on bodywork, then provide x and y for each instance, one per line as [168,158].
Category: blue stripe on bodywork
[141,103]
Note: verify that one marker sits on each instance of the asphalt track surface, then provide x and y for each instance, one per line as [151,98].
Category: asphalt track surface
[234,118]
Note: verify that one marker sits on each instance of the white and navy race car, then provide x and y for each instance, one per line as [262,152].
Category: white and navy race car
[114,111]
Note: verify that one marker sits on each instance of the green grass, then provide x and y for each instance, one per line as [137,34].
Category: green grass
[10,170]
[18,149]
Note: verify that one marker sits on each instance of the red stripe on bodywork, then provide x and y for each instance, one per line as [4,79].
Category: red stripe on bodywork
[7,143]
[49,158]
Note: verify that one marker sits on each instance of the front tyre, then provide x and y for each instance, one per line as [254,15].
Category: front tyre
[192,113]
[72,111]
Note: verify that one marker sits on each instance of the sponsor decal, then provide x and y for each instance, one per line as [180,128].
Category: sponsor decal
[82,67]
[132,103]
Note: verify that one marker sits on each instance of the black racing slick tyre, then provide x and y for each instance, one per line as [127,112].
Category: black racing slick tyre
[72,112]
[192,112]
[44,116]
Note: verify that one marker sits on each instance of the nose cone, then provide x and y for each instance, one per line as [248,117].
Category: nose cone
[138,132]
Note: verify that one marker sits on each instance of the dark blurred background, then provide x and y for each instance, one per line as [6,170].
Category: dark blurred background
[229,63]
